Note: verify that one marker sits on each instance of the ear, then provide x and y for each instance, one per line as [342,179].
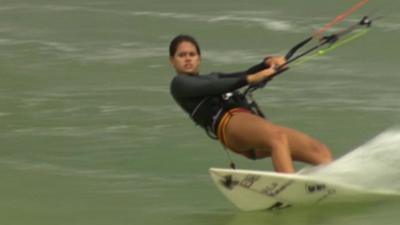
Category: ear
[171,60]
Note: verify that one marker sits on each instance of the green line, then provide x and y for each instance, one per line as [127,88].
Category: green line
[333,47]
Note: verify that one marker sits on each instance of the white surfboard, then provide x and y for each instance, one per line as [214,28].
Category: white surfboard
[258,190]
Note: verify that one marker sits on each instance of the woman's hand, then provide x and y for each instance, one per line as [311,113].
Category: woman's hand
[276,62]
[260,76]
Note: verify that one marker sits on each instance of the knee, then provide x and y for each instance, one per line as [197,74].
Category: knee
[323,153]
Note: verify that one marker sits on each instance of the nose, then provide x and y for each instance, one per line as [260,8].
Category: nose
[188,57]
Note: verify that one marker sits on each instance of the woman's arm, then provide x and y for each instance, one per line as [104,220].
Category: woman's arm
[273,61]
[260,74]
[206,85]
[215,84]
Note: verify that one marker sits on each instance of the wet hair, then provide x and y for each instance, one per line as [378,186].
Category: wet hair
[173,46]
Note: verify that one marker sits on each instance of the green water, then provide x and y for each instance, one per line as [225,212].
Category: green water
[90,135]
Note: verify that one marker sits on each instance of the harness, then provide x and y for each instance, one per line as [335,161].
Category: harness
[227,101]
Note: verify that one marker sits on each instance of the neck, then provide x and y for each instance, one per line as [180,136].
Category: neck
[188,74]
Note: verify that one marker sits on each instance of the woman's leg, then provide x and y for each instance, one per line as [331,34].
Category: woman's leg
[307,149]
[247,131]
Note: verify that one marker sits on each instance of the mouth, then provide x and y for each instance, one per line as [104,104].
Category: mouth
[189,69]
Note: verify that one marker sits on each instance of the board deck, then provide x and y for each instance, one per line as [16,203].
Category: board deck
[258,190]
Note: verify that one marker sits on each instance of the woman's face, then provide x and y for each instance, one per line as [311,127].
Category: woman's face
[186,59]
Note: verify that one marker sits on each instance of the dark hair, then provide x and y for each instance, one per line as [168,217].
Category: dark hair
[173,46]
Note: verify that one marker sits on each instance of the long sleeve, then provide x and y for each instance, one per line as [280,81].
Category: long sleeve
[206,85]
[257,68]
[213,84]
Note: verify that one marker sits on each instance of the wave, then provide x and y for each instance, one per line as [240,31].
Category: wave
[266,22]
[123,54]
[270,20]
[374,165]
[121,181]
[94,52]
[269,23]
[41,44]
[3,114]
[32,166]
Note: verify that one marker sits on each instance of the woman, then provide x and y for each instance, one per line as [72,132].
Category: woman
[214,103]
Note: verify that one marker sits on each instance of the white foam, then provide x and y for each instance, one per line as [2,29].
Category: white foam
[44,45]
[269,23]
[374,165]
[2,114]
[123,55]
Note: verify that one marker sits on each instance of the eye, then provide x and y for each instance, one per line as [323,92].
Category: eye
[181,54]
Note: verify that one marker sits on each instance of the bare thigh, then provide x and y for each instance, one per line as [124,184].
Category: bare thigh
[247,131]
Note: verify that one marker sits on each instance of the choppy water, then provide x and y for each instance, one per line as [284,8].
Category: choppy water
[90,135]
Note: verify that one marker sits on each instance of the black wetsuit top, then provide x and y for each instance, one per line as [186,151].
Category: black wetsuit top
[201,96]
